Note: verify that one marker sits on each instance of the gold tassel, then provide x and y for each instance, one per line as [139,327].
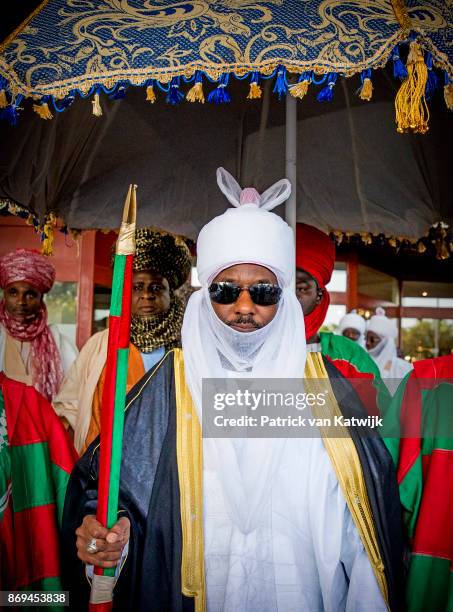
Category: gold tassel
[339,236]
[195,93]
[366,92]
[442,251]
[43,110]
[150,95]
[421,248]
[448,95]
[97,110]
[29,220]
[47,243]
[299,90]
[392,242]
[412,112]
[255,91]
[3,99]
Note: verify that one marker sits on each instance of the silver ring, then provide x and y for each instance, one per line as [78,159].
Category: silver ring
[92,546]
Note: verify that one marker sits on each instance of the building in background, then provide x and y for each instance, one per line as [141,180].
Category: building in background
[417,291]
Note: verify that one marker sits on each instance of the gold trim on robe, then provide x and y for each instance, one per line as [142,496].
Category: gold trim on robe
[189,448]
[346,464]
[189,451]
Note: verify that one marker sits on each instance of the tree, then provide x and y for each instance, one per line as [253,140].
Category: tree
[418,341]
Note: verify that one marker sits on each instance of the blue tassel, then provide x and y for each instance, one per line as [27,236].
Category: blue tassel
[66,102]
[399,69]
[174,95]
[281,84]
[119,94]
[10,113]
[305,76]
[432,82]
[326,93]
[63,104]
[220,95]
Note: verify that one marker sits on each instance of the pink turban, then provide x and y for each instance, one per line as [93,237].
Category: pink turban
[28,266]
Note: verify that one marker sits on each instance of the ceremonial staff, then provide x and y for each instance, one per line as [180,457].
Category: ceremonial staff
[114,395]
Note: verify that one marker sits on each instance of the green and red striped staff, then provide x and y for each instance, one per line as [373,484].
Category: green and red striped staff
[114,395]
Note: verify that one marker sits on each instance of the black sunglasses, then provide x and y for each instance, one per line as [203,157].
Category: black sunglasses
[261,294]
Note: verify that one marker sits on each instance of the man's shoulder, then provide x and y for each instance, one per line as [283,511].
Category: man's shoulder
[13,385]
[96,342]
[340,348]
[160,374]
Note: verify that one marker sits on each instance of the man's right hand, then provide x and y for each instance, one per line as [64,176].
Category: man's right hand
[109,542]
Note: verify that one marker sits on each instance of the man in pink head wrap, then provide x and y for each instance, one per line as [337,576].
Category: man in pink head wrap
[30,351]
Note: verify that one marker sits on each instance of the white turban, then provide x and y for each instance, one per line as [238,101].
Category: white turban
[248,233]
[391,367]
[382,325]
[352,320]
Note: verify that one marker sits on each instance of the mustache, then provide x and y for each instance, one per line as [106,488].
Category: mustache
[244,320]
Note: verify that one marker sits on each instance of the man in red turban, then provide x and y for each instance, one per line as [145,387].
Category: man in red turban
[31,351]
[315,260]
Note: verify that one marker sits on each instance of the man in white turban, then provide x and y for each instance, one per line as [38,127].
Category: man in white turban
[353,326]
[243,524]
[381,345]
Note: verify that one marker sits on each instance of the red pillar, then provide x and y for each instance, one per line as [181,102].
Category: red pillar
[400,310]
[352,288]
[85,291]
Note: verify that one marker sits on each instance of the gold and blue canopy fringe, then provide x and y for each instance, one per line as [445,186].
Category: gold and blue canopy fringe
[179,50]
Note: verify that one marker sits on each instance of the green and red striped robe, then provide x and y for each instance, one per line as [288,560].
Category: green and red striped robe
[424,403]
[359,368]
[36,458]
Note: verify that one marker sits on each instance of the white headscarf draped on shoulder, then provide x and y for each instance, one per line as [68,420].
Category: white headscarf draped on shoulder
[247,233]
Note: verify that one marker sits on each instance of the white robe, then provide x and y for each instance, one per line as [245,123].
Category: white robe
[392,368]
[306,555]
[67,350]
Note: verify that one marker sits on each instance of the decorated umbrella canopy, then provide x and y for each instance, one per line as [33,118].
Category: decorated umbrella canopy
[136,60]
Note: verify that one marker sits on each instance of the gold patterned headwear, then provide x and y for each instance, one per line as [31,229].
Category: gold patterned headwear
[164,253]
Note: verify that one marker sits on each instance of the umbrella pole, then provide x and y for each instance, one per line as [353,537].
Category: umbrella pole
[290,159]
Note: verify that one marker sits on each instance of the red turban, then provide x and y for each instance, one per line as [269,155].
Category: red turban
[315,253]
[28,266]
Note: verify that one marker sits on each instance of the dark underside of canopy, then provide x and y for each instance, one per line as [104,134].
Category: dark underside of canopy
[355,172]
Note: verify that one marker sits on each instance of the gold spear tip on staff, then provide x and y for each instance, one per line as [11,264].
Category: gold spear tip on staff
[125,245]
